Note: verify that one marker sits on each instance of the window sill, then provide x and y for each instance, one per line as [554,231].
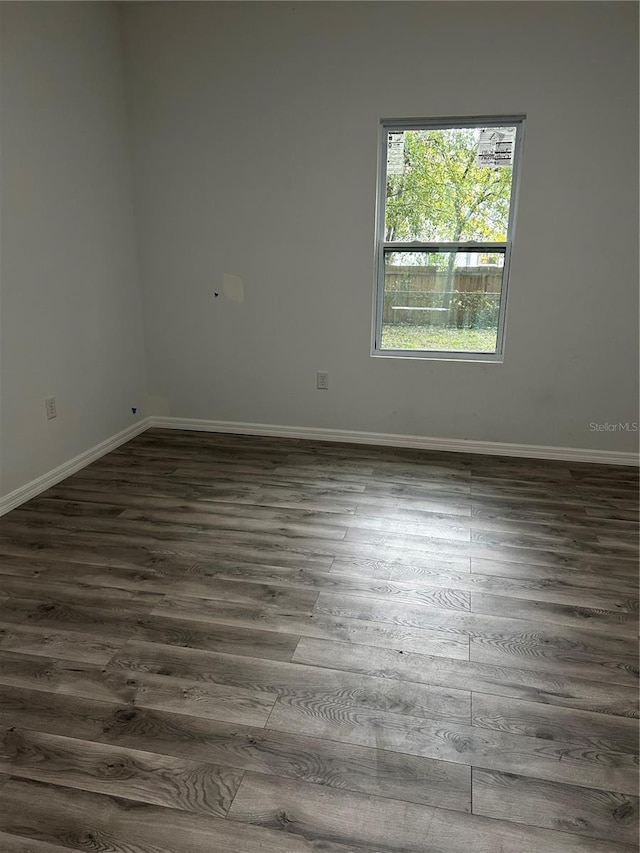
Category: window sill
[423,355]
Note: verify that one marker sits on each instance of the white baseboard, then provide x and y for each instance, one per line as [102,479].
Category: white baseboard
[41,484]
[456,445]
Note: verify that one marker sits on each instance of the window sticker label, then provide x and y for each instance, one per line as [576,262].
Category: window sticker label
[495,146]
[395,152]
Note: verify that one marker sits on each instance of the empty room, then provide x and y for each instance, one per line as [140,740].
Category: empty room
[319,427]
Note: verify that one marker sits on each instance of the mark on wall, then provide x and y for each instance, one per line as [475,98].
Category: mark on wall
[233,287]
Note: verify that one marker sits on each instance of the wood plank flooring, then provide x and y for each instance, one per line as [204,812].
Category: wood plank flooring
[226,644]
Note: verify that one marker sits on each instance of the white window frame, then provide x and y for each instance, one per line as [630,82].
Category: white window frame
[386,125]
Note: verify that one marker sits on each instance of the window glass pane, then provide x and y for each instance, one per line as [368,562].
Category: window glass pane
[449,184]
[445,300]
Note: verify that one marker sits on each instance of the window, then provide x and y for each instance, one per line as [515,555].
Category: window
[447,192]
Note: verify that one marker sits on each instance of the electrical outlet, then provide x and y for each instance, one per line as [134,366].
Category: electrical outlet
[322,381]
[50,408]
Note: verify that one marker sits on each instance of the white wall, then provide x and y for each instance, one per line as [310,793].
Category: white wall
[71,307]
[255,129]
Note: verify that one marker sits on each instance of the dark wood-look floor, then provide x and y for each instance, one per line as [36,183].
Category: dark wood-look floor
[218,644]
